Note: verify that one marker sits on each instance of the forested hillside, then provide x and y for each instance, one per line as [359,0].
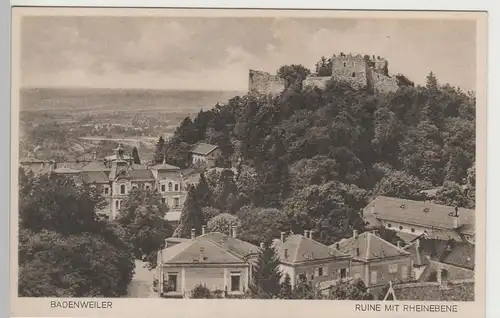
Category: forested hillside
[312,158]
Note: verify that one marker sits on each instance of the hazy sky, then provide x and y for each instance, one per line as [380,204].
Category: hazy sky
[216,53]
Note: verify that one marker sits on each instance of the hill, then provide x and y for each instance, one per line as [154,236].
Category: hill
[319,154]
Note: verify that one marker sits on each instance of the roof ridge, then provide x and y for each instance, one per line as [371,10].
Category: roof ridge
[187,245]
[392,245]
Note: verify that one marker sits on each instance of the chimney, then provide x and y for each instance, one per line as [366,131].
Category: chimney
[261,245]
[306,233]
[355,234]
[193,233]
[417,243]
[456,211]
[311,234]
[166,242]
[399,244]
[203,229]
[235,231]
[282,237]
[337,246]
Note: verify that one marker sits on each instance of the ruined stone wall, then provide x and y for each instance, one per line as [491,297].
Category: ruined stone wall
[381,83]
[265,83]
[350,69]
[316,81]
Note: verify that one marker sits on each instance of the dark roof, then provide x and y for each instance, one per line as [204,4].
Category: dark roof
[453,272]
[426,214]
[417,254]
[94,166]
[370,247]
[94,177]
[143,175]
[164,166]
[203,149]
[428,291]
[302,249]
[450,252]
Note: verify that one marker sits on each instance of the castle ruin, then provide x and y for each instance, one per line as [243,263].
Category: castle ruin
[358,71]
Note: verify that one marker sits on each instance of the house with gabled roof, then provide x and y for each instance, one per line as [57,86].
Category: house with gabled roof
[307,260]
[216,260]
[203,153]
[375,260]
[414,219]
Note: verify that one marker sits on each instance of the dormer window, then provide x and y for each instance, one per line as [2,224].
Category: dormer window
[426,210]
[402,206]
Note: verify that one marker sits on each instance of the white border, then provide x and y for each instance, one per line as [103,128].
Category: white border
[493,173]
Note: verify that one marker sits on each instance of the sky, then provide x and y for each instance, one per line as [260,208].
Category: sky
[216,53]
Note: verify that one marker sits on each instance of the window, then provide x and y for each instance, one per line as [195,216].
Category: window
[343,273]
[344,64]
[106,190]
[134,186]
[353,74]
[389,225]
[122,189]
[235,281]
[401,227]
[373,278]
[412,230]
[176,202]
[393,268]
[176,187]
[163,200]
[319,271]
[172,282]
[147,187]
[170,187]
[302,278]
[117,204]
[404,272]
[162,188]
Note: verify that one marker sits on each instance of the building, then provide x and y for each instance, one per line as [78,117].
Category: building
[375,260]
[356,70]
[204,154]
[117,175]
[216,260]
[412,219]
[306,260]
[460,254]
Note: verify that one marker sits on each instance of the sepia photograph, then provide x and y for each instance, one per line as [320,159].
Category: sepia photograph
[215,154]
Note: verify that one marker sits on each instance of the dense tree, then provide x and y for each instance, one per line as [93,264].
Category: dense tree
[453,194]
[65,248]
[402,185]
[201,291]
[142,215]
[293,75]
[135,155]
[223,223]
[286,288]
[191,217]
[159,154]
[266,273]
[264,224]
[306,290]
[350,290]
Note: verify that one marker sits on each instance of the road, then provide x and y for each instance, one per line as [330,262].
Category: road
[141,285]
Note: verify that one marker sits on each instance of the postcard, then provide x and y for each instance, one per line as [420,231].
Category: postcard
[249,163]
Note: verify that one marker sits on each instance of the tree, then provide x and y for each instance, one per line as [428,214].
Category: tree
[263,224]
[453,194]
[226,193]
[286,288]
[201,291]
[65,248]
[306,290]
[266,273]
[293,75]
[159,154]
[350,290]
[431,82]
[222,223]
[399,184]
[135,155]
[143,217]
[191,216]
